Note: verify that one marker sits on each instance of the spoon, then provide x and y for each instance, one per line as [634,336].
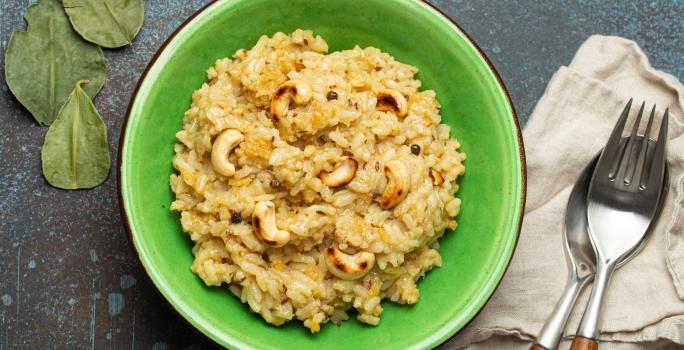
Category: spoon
[580,258]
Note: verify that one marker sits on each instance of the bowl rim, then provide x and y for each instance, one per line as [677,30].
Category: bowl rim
[430,7]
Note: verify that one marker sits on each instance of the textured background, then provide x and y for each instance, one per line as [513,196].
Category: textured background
[68,276]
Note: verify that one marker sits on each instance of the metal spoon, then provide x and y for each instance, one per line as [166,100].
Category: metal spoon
[580,258]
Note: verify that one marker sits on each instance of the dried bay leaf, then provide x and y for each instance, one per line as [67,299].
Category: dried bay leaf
[75,153]
[43,64]
[108,23]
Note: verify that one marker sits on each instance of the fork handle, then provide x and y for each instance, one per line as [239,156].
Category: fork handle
[587,332]
[581,343]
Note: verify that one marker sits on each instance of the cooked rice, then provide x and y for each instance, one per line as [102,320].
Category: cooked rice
[293,281]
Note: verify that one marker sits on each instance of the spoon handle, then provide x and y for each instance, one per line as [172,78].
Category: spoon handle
[587,333]
[552,331]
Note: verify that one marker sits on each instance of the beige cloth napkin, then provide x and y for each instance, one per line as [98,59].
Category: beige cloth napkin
[644,307]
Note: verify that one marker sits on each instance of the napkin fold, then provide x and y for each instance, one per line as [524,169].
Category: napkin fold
[644,305]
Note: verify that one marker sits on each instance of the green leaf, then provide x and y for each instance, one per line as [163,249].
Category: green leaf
[75,153]
[43,64]
[108,23]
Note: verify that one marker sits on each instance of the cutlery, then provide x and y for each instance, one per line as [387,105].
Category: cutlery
[623,200]
[580,258]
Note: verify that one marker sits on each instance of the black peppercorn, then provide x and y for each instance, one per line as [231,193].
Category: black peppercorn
[332,95]
[415,149]
[236,218]
[275,183]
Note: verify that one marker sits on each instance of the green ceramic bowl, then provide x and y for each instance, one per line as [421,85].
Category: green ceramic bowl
[474,103]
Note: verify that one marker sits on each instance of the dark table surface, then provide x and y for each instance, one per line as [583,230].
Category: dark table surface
[69,277]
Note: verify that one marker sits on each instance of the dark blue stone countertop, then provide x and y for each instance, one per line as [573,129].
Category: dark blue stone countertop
[69,278]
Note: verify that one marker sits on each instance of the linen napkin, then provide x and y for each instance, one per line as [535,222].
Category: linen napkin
[644,305]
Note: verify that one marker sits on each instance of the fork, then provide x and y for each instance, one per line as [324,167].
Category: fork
[622,202]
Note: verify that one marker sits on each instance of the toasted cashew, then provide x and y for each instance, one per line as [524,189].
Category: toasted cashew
[392,100]
[436,177]
[291,90]
[342,173]
[222,147]
[398,184]
[348,267]
[264,224]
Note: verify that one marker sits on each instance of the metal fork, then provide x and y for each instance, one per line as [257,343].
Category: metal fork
[622,202]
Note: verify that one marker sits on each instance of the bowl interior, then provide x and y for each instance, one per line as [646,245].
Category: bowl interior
[473,103]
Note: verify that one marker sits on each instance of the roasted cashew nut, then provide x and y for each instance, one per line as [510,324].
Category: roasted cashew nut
[342,174]
[392,100]
[348,267]
[436,177]
[264,224]
[291,90]
[223,145]
[398,184]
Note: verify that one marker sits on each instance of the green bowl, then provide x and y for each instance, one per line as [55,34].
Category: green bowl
[474,103]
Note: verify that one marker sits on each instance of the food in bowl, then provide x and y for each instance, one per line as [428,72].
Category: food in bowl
[312,183]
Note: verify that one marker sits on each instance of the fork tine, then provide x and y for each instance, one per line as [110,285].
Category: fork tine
[643,151]
[657,166]
[626,162]
[609,154]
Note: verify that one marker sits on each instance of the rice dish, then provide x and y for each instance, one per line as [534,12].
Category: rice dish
[315,183]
